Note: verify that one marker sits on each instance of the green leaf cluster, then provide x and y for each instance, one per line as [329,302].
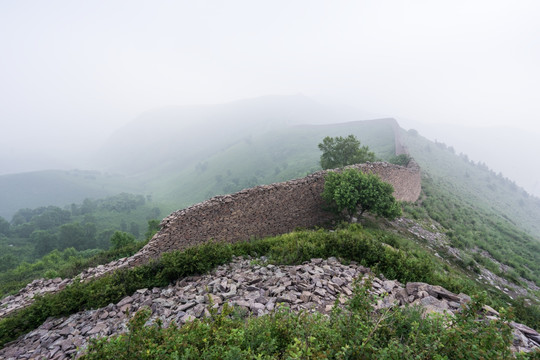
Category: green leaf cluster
[355,192]
[353,332]
[339,152]
[121,239]
[385,253]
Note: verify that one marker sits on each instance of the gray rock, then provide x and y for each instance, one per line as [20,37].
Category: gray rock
[464,298]
[187,306]
[97,329]
[124,301]
[187,318]
[313,286]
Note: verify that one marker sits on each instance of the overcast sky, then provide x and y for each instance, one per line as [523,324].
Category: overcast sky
[73,71]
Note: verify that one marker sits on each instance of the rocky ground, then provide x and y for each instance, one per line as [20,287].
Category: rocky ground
[433,234]
[25,296]
[251,285]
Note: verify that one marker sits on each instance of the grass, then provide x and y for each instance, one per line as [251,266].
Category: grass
[404,260]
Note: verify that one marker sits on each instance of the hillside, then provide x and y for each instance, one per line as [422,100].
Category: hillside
[474,183]
[471,231]
[258,286]
[178,137]
[266,158]
[181,156]
[483,215]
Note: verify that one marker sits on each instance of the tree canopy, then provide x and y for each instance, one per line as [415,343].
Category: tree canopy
[120,239]
[339,152]
[355,192]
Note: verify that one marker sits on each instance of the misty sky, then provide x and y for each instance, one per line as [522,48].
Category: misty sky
[71,71]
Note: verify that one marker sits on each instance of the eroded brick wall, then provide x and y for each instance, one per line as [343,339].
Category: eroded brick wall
[265,210]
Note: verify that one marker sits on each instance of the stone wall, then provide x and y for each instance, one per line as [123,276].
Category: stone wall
[265,210]
[257,212]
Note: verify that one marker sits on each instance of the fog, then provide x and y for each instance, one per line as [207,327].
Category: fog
[71,72]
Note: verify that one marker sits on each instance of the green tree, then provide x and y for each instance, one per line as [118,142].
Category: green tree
[44,242]
[52,217]
[121,239]
[153,227]
[4,226]
[123,225]
[72,235]
[88,206]
[339,152]
[22,216]
[355,192]
[7,262]
[134,229]
[401,159]
[103,238]
[23,230]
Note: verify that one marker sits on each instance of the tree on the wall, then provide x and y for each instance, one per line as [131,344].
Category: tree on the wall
[354,192]
[339,152]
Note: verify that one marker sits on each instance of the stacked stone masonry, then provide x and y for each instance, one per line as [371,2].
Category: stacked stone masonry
[257,212]
[266,210]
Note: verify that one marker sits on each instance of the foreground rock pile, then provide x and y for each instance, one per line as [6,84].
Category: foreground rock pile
[250,285]
[26,296]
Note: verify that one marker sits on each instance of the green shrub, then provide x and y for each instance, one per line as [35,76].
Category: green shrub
[389,254]
[121,239]
[354,332]
[355,192]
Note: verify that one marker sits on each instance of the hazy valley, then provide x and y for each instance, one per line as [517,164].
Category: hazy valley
[471,231]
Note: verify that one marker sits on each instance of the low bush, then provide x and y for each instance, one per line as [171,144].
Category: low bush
[386,253]
[355,332]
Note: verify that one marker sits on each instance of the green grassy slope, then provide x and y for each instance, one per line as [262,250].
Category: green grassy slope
[481,211]
[475,184]
[270,157]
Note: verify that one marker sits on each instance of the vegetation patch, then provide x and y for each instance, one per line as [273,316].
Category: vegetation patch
[392,255]
[353,332]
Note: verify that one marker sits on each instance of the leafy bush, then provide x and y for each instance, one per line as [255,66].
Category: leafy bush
[121,239]
[387,253]
[401,159]
[355,192]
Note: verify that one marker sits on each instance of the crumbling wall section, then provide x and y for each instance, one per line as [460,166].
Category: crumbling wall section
[265,210]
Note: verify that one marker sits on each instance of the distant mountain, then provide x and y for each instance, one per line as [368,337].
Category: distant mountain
[183,135]
[504,149]
[474,182]
[277,155]
[56,187]
[183,155]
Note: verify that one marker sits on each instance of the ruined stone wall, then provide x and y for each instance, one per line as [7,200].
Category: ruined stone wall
[257,212]
[265,210]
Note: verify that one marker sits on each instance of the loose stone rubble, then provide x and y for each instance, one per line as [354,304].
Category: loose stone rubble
[25,296]
[254,287]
